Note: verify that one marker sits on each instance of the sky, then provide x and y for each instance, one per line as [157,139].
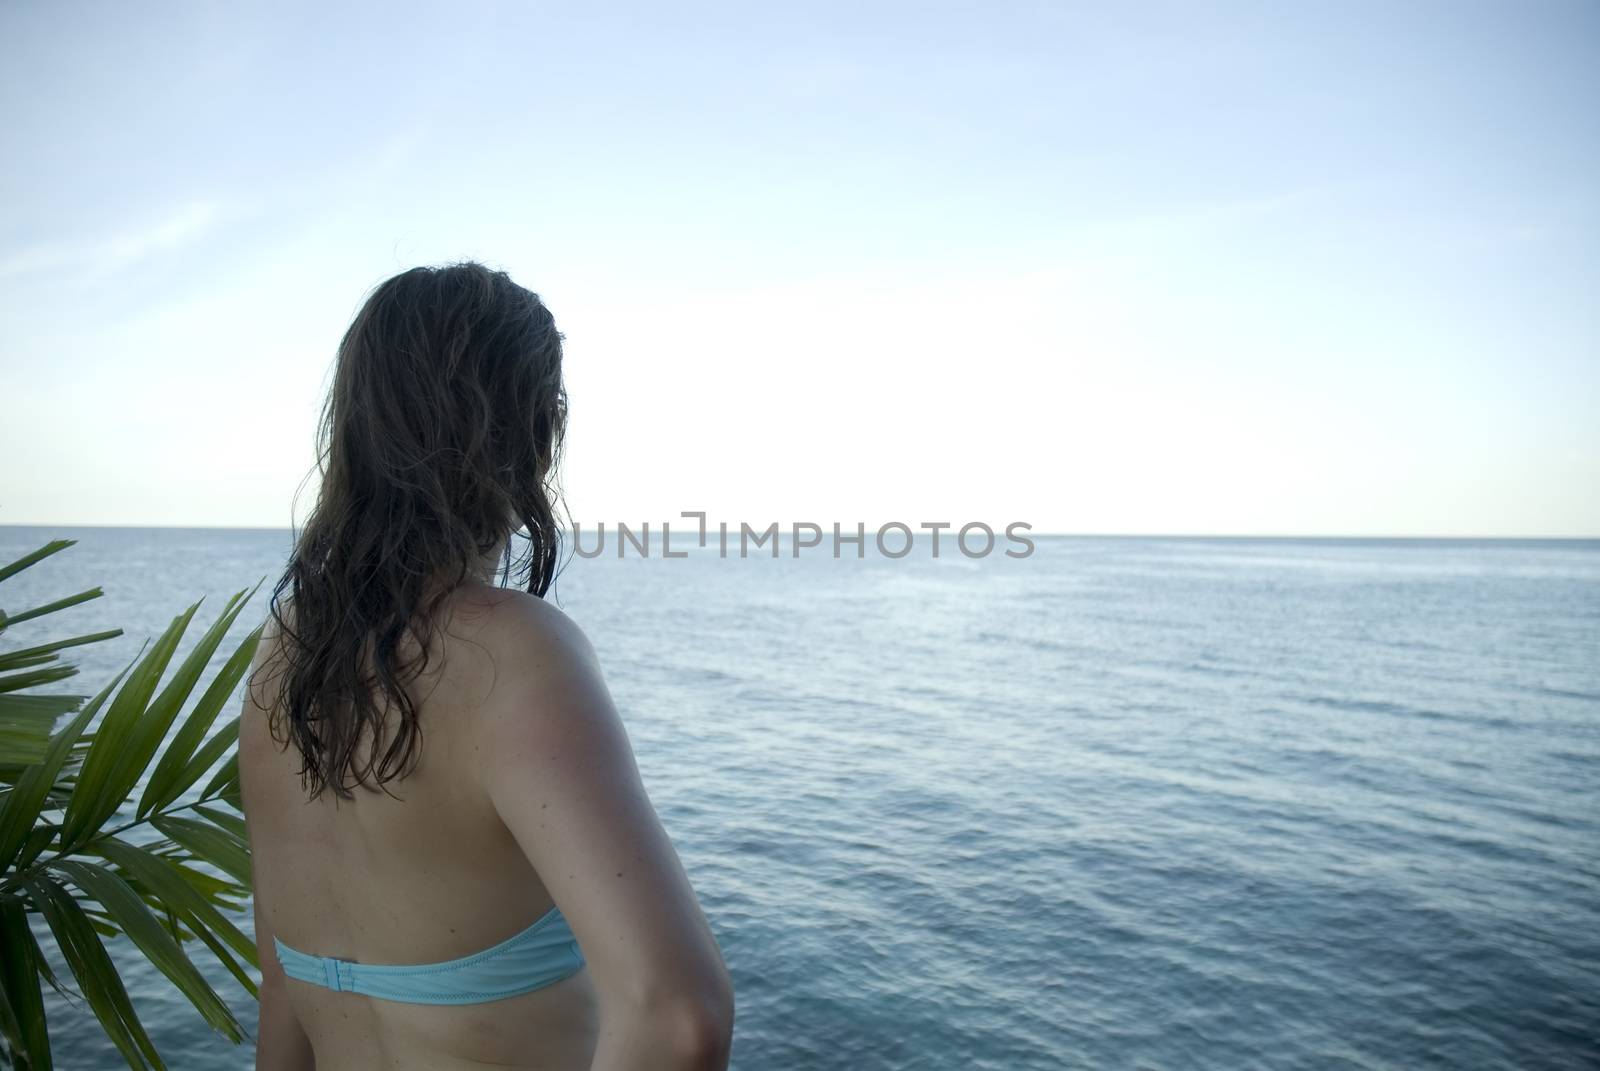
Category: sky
[1227,269]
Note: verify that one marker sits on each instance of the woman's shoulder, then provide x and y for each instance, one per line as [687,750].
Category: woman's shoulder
[541,683]
[523,632]
[496,612]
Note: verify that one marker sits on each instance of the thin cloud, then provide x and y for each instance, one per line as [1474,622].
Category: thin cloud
[1203,216]
[117,251]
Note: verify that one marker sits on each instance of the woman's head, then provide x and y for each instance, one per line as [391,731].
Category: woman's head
[439,441]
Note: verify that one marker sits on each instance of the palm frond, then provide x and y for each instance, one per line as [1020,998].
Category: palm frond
[97,976]
[26,720]
[23,1021]
[71,806]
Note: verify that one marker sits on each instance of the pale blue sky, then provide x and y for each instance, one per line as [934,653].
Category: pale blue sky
[1232,269]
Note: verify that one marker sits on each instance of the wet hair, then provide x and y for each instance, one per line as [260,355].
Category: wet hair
[438,443]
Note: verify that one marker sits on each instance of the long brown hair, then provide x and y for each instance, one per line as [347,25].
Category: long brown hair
[439,440]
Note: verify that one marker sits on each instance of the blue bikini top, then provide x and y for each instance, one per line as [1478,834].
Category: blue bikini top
[544,953]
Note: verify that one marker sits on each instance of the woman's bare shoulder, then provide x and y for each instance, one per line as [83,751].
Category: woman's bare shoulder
[515,623]
[263,688]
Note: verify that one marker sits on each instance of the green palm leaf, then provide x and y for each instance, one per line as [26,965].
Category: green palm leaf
[180,766]
[25,656]
[96,974]
[217,846]
[26,721]
[19,987]
[183,901]
[19,811]
[34,678]
[104,781]
[170,884]
[63,855]
[55,546]
[50,607]
[225,784]
[231,822]
[136,919]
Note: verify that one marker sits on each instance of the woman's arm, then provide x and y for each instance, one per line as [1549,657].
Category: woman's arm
[281,1042]
[559,769]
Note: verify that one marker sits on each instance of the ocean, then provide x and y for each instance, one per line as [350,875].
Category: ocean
[1167,803]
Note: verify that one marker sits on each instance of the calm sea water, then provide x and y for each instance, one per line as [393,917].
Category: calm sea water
[1128,803]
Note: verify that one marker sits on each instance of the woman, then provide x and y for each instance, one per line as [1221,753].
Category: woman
[456,865]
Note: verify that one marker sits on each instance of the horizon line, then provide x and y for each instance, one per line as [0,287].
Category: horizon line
[1032,533]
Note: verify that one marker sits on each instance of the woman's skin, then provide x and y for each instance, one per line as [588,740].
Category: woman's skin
[527,794]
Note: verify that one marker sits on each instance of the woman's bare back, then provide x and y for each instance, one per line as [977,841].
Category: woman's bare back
[432,873]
